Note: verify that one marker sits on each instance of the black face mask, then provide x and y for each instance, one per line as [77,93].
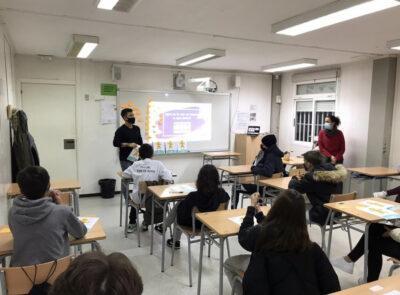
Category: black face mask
[131,120]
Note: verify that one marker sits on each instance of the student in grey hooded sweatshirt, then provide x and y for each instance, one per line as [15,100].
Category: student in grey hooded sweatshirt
[40,226]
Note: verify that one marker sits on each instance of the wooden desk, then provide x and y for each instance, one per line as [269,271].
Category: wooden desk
[228,155]
[376,173]
[351,208]
[278,183]
[294,161]
[73,186]
[388,284]
[236,172]
[162,197]
[6,239]
[218,223]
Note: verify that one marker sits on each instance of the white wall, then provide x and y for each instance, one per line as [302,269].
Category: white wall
[395,144]
[352,107]
[97,158]
[6,98]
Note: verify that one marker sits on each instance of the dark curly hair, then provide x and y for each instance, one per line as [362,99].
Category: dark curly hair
[335,120]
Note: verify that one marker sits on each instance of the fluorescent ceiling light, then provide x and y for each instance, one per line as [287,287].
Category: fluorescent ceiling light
[333,13]
[107,4]
[82,46]
[394,44]
[291,65]
[117,5]
[200,56]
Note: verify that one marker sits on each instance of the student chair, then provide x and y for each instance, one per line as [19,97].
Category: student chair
[237,282]
[138,208]
[20,280]
[192,234]
[342,222]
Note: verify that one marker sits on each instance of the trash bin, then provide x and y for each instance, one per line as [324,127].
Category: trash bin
[107,188]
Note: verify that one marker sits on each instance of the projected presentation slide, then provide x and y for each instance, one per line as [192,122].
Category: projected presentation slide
[169,121]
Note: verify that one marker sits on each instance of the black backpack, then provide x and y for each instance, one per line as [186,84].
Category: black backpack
[42,288]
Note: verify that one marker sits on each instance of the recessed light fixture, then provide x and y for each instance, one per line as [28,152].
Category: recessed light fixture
[394,44]
[118,5]
[82,46]
[333,13]
[200,56]
[291,65]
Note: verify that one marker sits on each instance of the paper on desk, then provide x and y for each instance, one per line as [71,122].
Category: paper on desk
[376,288]
[379,209]
[394,292]
[239,219]
[181,189]
[89,222]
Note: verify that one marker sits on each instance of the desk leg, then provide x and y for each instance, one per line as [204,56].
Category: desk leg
[200,260]
[229,161]
[3,262]
[330,217]
[222,177]
[221,265]
[76,203]
[120,204]
[152,227]
[350,180]
[366,250]
[163,237]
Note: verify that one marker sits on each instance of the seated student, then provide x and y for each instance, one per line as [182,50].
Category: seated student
[208,197]
[267,163]
[319,183]
[40,226]
[95,273]
[283,259]
[383,240]
[146,169]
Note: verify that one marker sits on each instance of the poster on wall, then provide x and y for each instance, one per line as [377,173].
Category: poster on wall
[108,112]
[241,122]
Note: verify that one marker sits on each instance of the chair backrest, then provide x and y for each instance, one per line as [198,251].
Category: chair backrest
[16,281]
[343,197]
[66,199]
[297,172]
[221,207]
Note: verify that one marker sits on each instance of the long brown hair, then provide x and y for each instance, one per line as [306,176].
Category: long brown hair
[284,229]
[95,273]
[208,180]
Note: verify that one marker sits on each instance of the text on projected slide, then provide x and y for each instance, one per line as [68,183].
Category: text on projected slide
[179,121]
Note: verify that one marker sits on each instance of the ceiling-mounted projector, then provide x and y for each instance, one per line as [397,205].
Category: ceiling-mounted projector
[206,84]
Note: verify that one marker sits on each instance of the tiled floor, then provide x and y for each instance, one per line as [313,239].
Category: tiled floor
[175,279]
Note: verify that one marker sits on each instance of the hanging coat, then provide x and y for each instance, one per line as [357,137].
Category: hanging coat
[24,151]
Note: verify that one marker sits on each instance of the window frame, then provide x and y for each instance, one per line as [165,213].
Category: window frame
[314,98]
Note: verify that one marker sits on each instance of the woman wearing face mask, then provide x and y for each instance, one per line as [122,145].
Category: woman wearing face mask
[331,140]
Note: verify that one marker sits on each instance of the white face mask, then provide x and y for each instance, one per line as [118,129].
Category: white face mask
[328,126]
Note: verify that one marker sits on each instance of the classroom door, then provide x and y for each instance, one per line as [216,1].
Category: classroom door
[51,119]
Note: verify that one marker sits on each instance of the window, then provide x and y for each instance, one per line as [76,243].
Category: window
[313,102]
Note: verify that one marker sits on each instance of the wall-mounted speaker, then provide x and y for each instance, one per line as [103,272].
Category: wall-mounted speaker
[116,73]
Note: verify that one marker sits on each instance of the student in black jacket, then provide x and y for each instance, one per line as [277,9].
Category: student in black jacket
[283,260]
[267,163]
[319,183]
[207,198]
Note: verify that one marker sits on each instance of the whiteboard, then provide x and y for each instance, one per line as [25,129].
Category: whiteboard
[219,139]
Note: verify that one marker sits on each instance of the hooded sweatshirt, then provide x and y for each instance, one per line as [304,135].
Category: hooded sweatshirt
[205,203]
[268,162]
[40,229]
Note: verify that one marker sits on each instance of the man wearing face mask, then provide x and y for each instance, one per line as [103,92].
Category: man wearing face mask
[267,162]
[331,141]
[126,138]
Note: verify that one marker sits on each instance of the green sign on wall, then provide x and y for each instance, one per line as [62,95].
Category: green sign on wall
[109,89]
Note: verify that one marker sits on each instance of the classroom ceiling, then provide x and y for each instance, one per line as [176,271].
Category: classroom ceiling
[160,31]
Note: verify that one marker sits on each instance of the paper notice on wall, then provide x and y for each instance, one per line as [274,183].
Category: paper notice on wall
[253,113]
[108,112]
[241,122]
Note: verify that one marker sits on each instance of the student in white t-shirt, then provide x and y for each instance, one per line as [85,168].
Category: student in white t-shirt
[146,169]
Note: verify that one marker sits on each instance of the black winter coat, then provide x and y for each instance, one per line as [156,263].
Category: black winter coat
[268,162]
[278,273]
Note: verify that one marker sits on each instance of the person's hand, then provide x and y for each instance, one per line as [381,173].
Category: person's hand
[254,199]
[56,196]
[333,159]
[258,208]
